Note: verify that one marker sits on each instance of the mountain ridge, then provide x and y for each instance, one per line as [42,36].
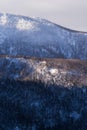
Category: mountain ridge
[20,35]
[42,19]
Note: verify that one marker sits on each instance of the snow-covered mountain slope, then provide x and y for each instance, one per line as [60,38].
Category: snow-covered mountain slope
[61,72]
[36,37]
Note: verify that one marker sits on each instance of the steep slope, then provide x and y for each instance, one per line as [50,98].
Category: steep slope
[61,72]
[21,35]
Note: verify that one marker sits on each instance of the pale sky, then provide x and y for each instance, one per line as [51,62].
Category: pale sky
[68,13]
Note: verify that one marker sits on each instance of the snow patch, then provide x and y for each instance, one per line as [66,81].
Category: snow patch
[24,25]
[53,71]
[43,62]
[3,19]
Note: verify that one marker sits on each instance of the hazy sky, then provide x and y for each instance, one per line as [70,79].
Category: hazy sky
[69,13]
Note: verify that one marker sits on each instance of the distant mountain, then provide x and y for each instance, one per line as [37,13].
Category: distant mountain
[20,35]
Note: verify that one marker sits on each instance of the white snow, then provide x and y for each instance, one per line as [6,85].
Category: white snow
[42,38]
[53,71]
[43,62]
[3,19]
[41,67]
[24,25]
